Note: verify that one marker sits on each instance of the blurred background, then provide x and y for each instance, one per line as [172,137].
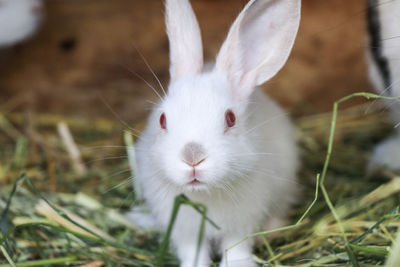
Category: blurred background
[85,50]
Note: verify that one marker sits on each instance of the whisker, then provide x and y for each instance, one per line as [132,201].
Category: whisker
[268,173]
[118,173]
[266,122]
[116,115]
[151,102]
[134,134]
[230,193]
[146,82]
[392,103]
[97,147]
[382,93]
[150,69]
[111,147]
[126,181]
[257,154]
[107,158]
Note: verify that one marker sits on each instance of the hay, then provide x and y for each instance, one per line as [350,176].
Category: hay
[59,217]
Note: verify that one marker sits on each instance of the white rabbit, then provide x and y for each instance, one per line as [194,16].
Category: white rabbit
[18,20]
[217,138]
[383,59]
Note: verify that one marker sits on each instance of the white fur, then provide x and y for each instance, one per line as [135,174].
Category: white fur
[18,20]
[249,171]
[386,154]
[142,218]
[185,45]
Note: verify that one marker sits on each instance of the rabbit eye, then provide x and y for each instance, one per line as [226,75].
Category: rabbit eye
[163,121]
[230,118]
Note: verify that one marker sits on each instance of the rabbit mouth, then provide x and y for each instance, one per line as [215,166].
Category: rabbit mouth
[195,182]
[196,185]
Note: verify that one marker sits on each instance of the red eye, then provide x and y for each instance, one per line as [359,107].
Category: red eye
[163,121]
[230,118]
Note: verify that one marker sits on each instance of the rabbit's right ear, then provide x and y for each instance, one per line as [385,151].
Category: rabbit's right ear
[259,43]
[185,45]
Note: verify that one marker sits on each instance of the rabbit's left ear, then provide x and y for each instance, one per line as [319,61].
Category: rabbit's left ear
[186,50]
[259,43]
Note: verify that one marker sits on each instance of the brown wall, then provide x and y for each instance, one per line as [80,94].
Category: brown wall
[86,48]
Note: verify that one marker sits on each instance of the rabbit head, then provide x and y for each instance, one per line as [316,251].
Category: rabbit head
[201,125]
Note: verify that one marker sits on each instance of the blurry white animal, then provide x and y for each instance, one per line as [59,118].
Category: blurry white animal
[383,59]
[217,138]
[18,20]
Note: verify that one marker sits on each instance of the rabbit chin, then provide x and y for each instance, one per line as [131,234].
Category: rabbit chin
[196,186]
[189,184]
[202,184]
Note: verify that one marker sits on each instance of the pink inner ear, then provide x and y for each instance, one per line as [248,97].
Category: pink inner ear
[259,43]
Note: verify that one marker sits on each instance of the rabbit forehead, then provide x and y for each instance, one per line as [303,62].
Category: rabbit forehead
[211,84]
[204,94]
[197,103]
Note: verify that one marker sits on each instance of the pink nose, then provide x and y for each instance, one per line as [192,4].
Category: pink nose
[193,154]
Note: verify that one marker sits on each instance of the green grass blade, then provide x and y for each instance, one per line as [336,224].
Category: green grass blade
[393,213]
[44,262]
[4,227]
[202,209]
[164,244]
[7,256]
